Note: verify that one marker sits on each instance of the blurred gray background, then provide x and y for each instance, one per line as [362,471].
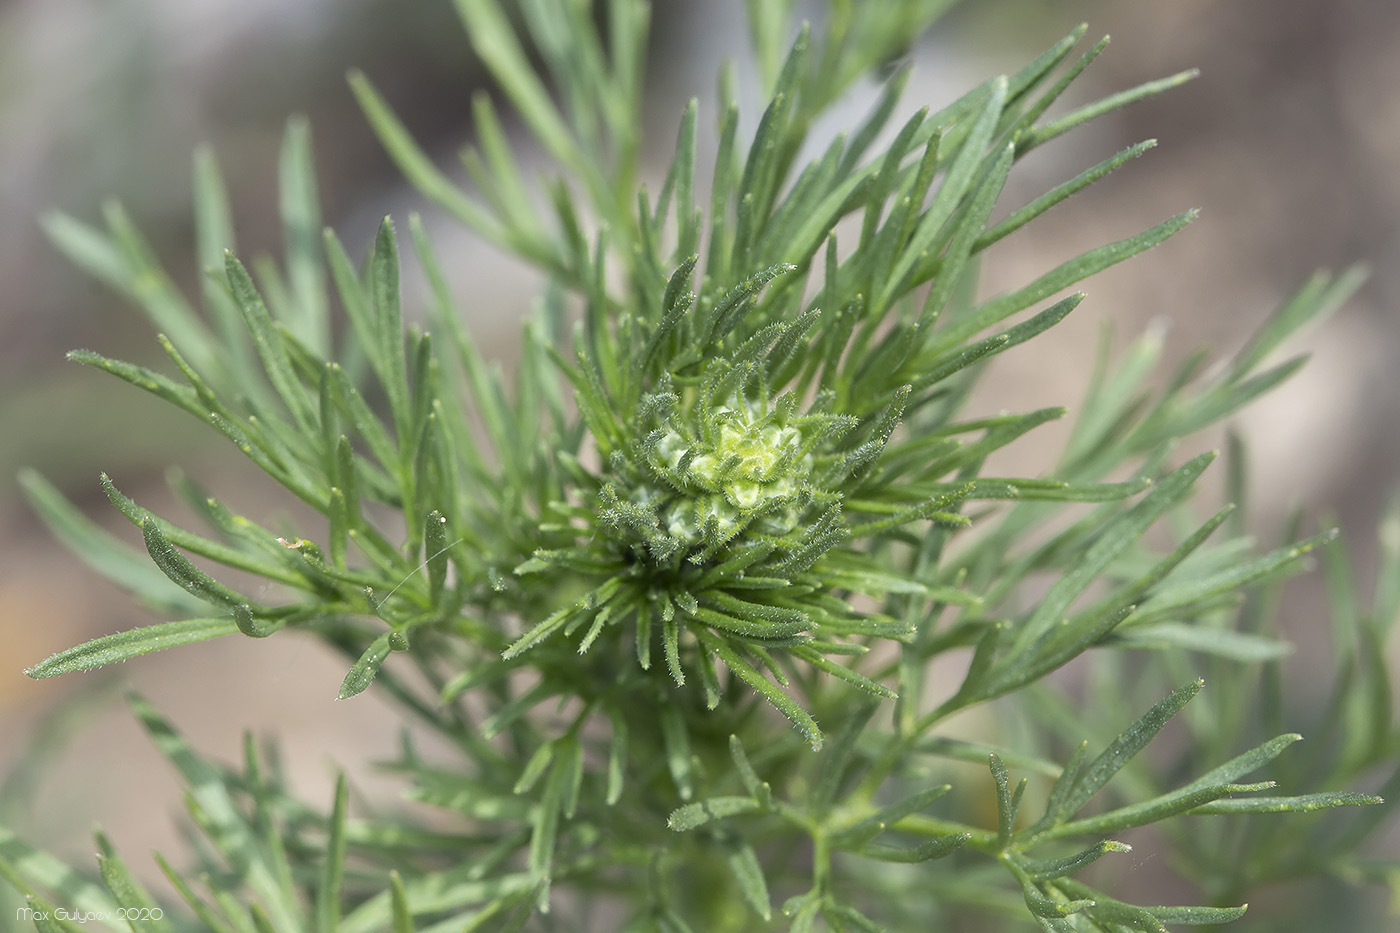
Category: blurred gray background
[1290,142]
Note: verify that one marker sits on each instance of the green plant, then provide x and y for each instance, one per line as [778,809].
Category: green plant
[675,592]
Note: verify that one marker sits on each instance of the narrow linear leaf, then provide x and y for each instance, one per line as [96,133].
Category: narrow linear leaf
[1222,643]
[694,815]
[748,872]
[934,848]
[1305,803]
[1124,748]
[124,565]
[1049,869]
[402,913]
[121,646]
[181,571]
[1059,194]
[270,344]
[1043,134]
[134,899]
[766,688]
[1116,537]
[413,163]
[30,868]
[362,673]
[300,208]
[328,894]
[1062,277]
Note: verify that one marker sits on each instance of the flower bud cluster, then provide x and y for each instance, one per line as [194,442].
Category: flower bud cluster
[751,469]
[700,478]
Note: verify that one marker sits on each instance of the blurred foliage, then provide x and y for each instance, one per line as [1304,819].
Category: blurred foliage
[763,501]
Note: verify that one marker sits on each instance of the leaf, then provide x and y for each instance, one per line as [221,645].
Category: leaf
[1106,909]
[544,832]
[221,818]
[496,43]
[413,163]
[124,261]
[100,549]
[30,868]
[675,742]
[839,915]
[403,916]
[136,901]
[1305,803]
[1122,749]
[868,828]
[1206,639]
[694,815]
[328,892]
[498,178]
[1174,594]
[1061,277]
[213,222]
[301,230]
[163,387]
[1049,869]
[1008,802]
[955,260]
[451,890]
[758,788]
[764,687]
[748,872]
[1322,295]
[860,681]
[674,306]
[435,548]
[202,909]
[1057,195]
[721,189]
[179,569]
[1112,541]
[768,153]
[1043,134]
[751,626]
[362,673]
[231,525]
[47,918]
[934,848]
[1179,416]
[1205,789]
[89,249]
[713,324]
[270,344]
[132,643]
[956,184]
[385,343]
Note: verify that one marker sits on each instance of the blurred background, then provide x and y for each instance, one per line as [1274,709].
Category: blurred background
[1289,142]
